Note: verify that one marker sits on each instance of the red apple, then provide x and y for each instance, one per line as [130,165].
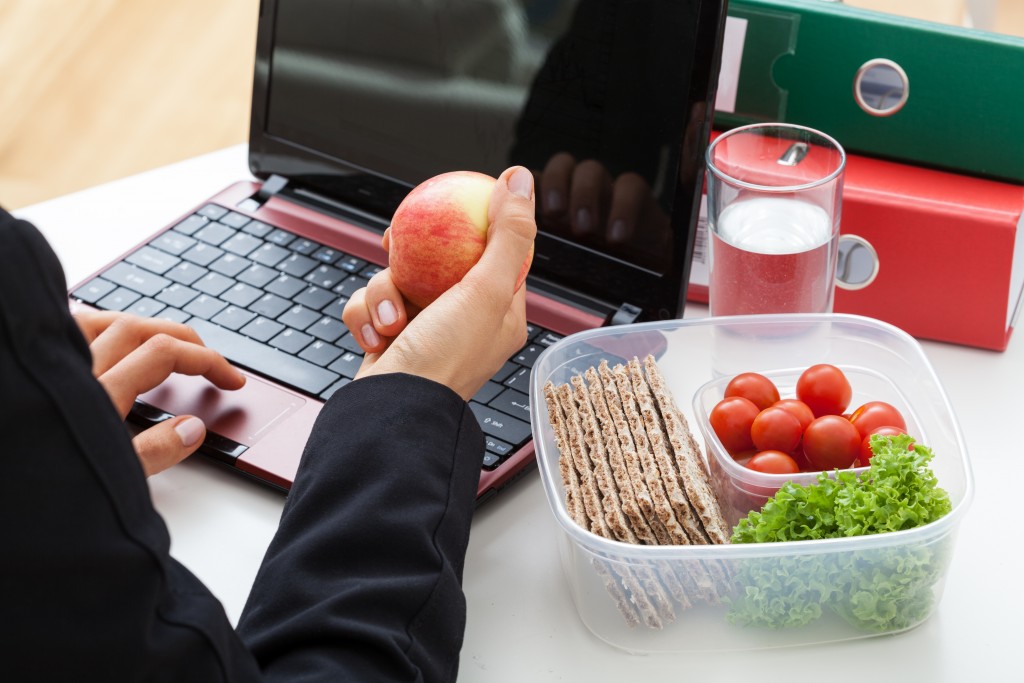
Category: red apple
[438,233]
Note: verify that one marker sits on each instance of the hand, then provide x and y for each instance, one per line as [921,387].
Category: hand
[466,334]
[617,214]
[131,355]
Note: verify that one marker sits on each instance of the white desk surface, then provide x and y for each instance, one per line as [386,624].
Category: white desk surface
[522,625]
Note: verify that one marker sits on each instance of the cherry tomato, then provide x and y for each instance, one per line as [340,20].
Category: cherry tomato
[773,462]
[831,442]
[750,385]
[797,409]
[731,419]
[876,414]
[864,459]
[775,429]
[825,389]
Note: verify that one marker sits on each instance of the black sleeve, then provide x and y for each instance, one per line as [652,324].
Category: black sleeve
[366,569]
[361,582]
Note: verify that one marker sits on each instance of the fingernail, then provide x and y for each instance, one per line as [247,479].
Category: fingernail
[387,312]
[553,201]
[583,220]
[520,183]
[190,431]
[370,337]
[618,230]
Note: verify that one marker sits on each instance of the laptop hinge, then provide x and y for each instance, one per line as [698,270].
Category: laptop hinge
[270,187]
[627,313]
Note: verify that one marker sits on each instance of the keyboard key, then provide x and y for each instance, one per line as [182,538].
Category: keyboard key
[145,307]
[233,317]
[351,264]
[505,372]
[370,270]
[488,392]
[202,254]
[153,260]
[213,284]
[335,308]
[334,388]
[269,255]
[234,219]
[350,285]
[270,305]
[490,460]
[136,279]
[118,300]
[297,265]
[242,244]
[241,294]
[279,237]
[186,273]
[520,379]
[191,224]
[258,275]
[214,233]
[260,358]
[349,343]
[230,264]
[327,255]
[314,297]
[262,329]
[205,306]
[257,228]
[327,328]
[497,447]
[513,402]
[347,365]
[173,314]
[173,242]
[94,290]
[326,276]
[304,246]
[285,285]
[548,338]
[291,341]
[528,356]
[299,317]
[320,352]
[212,211]
[499,425]
[177,295]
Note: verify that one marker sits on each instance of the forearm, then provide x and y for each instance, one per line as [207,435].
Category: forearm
[363,579]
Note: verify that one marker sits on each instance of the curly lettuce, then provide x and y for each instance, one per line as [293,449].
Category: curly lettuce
[881,590]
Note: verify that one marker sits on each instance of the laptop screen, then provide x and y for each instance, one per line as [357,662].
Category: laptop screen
[606,101]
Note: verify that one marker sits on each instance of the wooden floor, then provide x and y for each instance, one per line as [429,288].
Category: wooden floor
[94,90]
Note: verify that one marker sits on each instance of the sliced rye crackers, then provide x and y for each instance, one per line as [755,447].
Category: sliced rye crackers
[652,474]
[570,479]
[589,493]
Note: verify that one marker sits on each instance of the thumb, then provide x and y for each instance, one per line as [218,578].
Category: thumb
[513,227]
[168,443]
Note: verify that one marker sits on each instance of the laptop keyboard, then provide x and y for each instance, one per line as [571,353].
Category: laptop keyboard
[271,301]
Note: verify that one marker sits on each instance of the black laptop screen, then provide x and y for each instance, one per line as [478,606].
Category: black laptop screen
[605,100]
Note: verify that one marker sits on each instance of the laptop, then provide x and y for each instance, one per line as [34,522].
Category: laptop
[354,103]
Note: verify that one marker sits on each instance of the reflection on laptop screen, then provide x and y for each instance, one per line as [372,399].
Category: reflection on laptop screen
[606,101]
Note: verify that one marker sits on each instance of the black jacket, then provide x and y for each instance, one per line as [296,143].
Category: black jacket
[362,581]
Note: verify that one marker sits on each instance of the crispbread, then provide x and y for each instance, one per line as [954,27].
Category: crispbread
[570,479]
[577,447]
[610,500]
[660,448]
[653,477]
[691,465]
[616,462]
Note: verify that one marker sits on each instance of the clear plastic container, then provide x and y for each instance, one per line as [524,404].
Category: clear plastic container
[748,596]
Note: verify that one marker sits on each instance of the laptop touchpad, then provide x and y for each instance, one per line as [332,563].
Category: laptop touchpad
[245,415]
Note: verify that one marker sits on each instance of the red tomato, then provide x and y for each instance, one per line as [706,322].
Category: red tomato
[797,409]
[825,389]
[750,385]
[773,462]
[775,429]
[875,414]
[731,419]
[831,442]
[864,459]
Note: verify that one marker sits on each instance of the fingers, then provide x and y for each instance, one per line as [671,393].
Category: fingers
[513,228]
[115,335]
[155,359]
[168,443]
[630,195]
[376,313]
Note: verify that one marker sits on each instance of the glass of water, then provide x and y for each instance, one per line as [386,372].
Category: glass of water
[774,202]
